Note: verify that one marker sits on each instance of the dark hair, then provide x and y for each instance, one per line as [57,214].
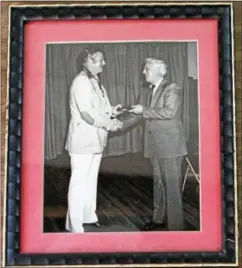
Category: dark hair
[82,57]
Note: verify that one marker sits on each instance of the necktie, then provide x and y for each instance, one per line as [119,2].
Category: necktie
[151,94]
[100,86]
[90,75]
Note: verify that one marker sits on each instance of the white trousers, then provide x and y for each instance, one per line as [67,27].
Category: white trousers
[82,192]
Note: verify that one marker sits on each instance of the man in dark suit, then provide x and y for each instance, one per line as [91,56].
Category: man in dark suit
[165,145]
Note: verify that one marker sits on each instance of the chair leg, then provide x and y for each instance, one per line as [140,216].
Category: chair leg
[185,179]
[193,171]
[189,166]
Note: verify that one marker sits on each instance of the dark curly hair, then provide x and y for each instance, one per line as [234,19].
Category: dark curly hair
[82,57]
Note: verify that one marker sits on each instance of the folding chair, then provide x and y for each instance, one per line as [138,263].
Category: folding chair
[190,172]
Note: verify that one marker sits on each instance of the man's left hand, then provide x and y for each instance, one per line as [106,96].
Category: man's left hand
[137,109]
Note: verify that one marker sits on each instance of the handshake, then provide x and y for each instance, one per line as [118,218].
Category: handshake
[115,125]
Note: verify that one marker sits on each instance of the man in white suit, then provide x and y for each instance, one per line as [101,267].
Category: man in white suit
[91,120]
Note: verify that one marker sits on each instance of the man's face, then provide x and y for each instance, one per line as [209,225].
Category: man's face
[96,63]
[154,71]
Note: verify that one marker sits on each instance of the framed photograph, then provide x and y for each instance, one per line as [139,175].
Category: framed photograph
[120,143]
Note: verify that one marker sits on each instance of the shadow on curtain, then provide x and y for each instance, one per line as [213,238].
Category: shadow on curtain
[122,77]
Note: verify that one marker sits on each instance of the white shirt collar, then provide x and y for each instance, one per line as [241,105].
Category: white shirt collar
[157,85]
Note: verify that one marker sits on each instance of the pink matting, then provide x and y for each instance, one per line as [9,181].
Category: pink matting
[37,34]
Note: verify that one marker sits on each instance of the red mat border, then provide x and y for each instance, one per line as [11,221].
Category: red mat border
[37,34]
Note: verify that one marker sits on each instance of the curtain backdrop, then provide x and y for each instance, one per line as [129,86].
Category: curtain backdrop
[123,80]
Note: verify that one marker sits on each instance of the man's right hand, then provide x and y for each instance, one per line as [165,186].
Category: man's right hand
[116,125]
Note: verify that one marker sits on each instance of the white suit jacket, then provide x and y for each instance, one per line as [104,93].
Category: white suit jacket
[85,95]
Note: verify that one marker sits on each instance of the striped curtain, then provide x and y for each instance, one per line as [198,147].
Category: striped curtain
[122,77]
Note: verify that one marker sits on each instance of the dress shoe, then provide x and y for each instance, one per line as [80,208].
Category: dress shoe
[94,224]
[153,226]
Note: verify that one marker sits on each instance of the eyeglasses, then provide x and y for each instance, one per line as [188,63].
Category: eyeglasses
[94,59]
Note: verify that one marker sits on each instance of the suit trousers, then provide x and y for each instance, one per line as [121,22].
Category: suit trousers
[167,191]
[82,192]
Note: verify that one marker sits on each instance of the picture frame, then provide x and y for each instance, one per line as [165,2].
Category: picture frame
[18,228]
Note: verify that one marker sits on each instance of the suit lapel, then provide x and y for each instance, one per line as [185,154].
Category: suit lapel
[158,92]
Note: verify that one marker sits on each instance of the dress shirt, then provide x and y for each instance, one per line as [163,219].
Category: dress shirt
[156,86]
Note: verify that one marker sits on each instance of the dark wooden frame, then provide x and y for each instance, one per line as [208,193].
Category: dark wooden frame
[19,15]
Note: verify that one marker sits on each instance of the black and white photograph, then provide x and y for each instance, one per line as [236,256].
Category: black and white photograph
[121,137]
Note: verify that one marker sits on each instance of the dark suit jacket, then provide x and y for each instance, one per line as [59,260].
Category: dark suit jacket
[164,132]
